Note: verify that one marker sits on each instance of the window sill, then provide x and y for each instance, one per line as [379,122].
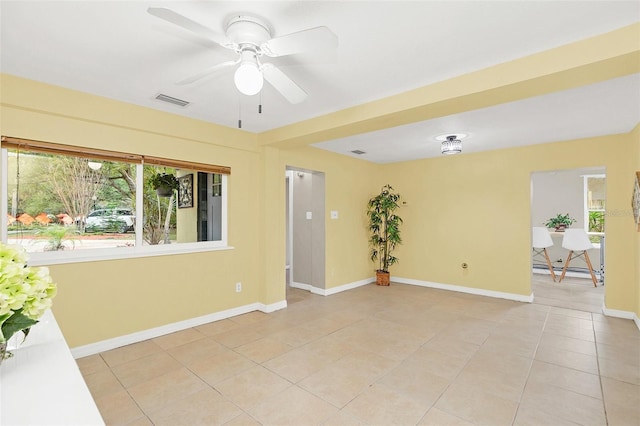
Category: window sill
[95,255]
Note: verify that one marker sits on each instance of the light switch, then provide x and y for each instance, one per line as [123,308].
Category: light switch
[309,215]
[334,214]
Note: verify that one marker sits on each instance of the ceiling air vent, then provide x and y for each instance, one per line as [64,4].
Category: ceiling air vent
[358,152]
[172,100]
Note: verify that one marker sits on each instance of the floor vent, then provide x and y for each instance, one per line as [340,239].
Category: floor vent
[358,152]
[172,100]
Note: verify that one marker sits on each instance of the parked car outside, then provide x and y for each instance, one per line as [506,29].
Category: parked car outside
[110,220]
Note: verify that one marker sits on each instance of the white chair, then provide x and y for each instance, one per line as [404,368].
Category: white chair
[540,240]
[577,241]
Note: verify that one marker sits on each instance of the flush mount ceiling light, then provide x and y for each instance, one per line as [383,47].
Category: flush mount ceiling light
[451,143]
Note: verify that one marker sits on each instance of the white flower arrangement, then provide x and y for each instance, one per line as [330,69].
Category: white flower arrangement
[25,292]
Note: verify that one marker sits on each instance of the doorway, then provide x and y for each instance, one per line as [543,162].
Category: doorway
[305,224]
[580,194]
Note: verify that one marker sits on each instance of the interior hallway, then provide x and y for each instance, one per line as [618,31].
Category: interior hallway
[377,356]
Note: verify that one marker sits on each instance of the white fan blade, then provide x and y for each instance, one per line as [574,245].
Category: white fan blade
[283,84]
[186,23]
[207,72]
[313,39]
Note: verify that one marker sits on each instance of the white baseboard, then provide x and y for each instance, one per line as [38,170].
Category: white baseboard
[332,290]
[621,314]
[116,342]
[469,290]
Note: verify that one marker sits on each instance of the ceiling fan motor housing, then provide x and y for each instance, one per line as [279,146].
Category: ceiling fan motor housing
[243,30]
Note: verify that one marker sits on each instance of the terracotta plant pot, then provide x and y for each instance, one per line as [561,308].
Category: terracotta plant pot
[382,278]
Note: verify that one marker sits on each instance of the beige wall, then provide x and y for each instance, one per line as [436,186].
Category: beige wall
[472,208]
[476,208]
[102,300]
[635,141]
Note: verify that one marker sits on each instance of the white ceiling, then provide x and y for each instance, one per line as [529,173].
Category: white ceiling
[117,50]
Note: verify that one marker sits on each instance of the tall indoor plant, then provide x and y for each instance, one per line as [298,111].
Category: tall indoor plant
[384,226]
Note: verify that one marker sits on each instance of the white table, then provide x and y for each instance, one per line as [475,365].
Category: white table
[42,385]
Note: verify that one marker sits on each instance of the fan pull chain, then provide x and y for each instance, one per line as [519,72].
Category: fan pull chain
[260,104]
[239,114]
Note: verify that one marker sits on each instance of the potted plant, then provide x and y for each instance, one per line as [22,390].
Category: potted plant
[164,184]
[384,226]
[560,222]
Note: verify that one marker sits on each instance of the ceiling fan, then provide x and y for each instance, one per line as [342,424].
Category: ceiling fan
[251,39]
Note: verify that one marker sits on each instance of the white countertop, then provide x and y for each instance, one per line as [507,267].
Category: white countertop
[41,384]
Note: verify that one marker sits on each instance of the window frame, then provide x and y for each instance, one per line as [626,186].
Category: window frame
[585,204]
[115,253]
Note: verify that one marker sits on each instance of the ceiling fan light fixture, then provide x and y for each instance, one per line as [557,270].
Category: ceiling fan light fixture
[248,76]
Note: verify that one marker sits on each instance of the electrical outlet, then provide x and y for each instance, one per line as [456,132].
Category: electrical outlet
[238,287]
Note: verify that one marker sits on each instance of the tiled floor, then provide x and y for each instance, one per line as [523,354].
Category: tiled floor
[401,355]
[572,293]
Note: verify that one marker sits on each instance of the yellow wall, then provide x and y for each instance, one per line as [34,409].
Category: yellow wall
[635,141]
[473,208]
[476,208]
[102,300]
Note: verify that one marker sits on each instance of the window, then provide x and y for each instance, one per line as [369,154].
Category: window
[594,204]
[71,203]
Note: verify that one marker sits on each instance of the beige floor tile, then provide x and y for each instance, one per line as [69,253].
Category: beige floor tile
[501,344]
[145,369]
[620,370]
[142,421]
[554,341]
[242,420]
[160,391]
[569,321]
[436,417]
[504,385]
[294,407]
[563,403]
[118,409]
[298,336]
[476,406]
[129,353]
[616,353]
[344,418]
[459,358]
[343,380]
[566,378]
[470,330]
[570,331]
[380,405]
[178,338]
[570,312]
[298,363]
[624,341]
[221,366]
[92,364]
[252,386]
[263,349]
[102,383]
[205,407]
[193,352]
[621,393]
[237,337]
[250,318]
[217,327]
[414,380]
[437,363]
[570,359]
[528,416]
